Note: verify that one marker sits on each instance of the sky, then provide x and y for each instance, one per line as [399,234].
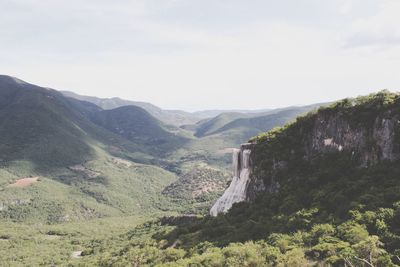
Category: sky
[204,54]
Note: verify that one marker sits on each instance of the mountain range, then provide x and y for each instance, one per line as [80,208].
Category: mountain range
[172,117]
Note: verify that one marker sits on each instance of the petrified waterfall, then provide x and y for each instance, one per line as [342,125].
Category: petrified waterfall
[236,191]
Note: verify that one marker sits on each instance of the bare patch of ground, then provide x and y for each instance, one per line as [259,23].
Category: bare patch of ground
[4,238]
[24,182]
[76,254]
[122,162]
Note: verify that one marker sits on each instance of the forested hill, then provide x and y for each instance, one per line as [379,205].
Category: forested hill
[325,188]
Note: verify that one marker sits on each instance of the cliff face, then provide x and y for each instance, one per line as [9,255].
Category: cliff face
[236,192]
[363,132]
[370,143]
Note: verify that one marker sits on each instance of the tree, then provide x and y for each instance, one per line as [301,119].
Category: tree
[294,258]
[366,252]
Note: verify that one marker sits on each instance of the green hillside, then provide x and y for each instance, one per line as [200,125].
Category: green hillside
[266,122]
[138,126]
[208,126]
[43,127]
[78,170]
[39,126]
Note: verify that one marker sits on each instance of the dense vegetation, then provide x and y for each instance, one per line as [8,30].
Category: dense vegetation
[209,126]
[358,241]
[198,189]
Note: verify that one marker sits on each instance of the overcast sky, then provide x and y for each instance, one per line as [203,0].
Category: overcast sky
[204,54]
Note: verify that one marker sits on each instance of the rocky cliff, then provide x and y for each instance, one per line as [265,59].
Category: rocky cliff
[363,131]
[352,134]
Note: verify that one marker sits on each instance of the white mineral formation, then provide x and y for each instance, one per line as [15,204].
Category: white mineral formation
[236,191]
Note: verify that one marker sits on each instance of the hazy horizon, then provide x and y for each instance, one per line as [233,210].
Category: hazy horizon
[204,55]
[193,111]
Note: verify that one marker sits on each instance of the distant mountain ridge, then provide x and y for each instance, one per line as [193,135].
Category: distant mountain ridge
[246,125]
[173,117]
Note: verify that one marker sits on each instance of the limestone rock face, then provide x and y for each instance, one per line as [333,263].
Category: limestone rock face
[364,142]
[372,143]
[237,190]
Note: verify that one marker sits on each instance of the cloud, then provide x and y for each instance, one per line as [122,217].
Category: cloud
[377,30]
[196,54]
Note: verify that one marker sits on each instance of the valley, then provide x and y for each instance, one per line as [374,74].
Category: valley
[85,186]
